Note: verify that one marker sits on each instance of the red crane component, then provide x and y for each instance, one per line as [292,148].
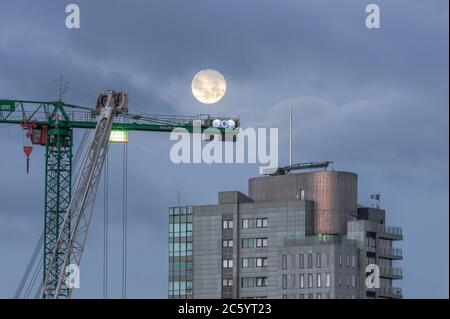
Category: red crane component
[28,150]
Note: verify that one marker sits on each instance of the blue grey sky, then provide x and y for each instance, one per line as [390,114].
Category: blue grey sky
[373,101]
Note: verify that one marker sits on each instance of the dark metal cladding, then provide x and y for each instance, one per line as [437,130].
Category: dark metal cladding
[334,195]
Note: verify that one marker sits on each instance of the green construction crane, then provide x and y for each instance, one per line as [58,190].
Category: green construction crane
[51,124]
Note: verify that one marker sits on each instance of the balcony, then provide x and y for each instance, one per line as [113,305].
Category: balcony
[390,292]
[390,253]
[389,232]
[391,272]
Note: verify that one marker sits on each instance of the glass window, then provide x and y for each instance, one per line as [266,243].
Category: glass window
[340,259]
[302,281]
[284,262]
[244,262]
[318,260]
[248,282]
[310,280]
[284,279]
[227,282]
[259,223]
[261,282]
[310,258]
[260,262]
[327,280]
[353,261]
[293,281]
[319,296]
[248,243]
[302,194]
[227,224]
[319,280]
[227,263]
[245,223]
[301,261]
[264,222]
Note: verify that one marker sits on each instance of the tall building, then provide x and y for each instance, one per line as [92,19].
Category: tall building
[299,236]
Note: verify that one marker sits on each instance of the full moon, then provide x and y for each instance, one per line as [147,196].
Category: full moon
[209,86]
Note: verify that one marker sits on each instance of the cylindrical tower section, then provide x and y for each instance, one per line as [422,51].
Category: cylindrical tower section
[335,201]
[334,195]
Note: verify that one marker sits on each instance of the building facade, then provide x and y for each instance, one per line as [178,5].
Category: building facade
[299,236]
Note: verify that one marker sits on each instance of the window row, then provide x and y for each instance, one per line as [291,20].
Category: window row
[177,288]
[227,224]
[319,296]
[312,260]
[180,249]
[254,262]
[180,267]
[315,260]
[312,281]
[180,229]
[227,243]
[350,280]
[350,260]
[254,242]
[180,219]
[308,296]
[227,282]
[248,282]
[180,211]
[227,263]
[254,223]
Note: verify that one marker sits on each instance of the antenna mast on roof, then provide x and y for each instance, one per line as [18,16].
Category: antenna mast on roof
[290,137]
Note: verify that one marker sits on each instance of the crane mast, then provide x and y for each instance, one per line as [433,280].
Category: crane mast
[81,206]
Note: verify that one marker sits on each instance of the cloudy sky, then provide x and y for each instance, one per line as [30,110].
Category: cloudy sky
[373,101]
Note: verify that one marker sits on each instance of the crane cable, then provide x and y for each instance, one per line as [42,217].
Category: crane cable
[30,266]
[105,229]
[39,245]
[124,221]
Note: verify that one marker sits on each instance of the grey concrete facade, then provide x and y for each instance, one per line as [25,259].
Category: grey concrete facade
[270,244]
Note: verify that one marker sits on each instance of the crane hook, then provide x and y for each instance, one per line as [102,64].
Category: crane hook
[27,150]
